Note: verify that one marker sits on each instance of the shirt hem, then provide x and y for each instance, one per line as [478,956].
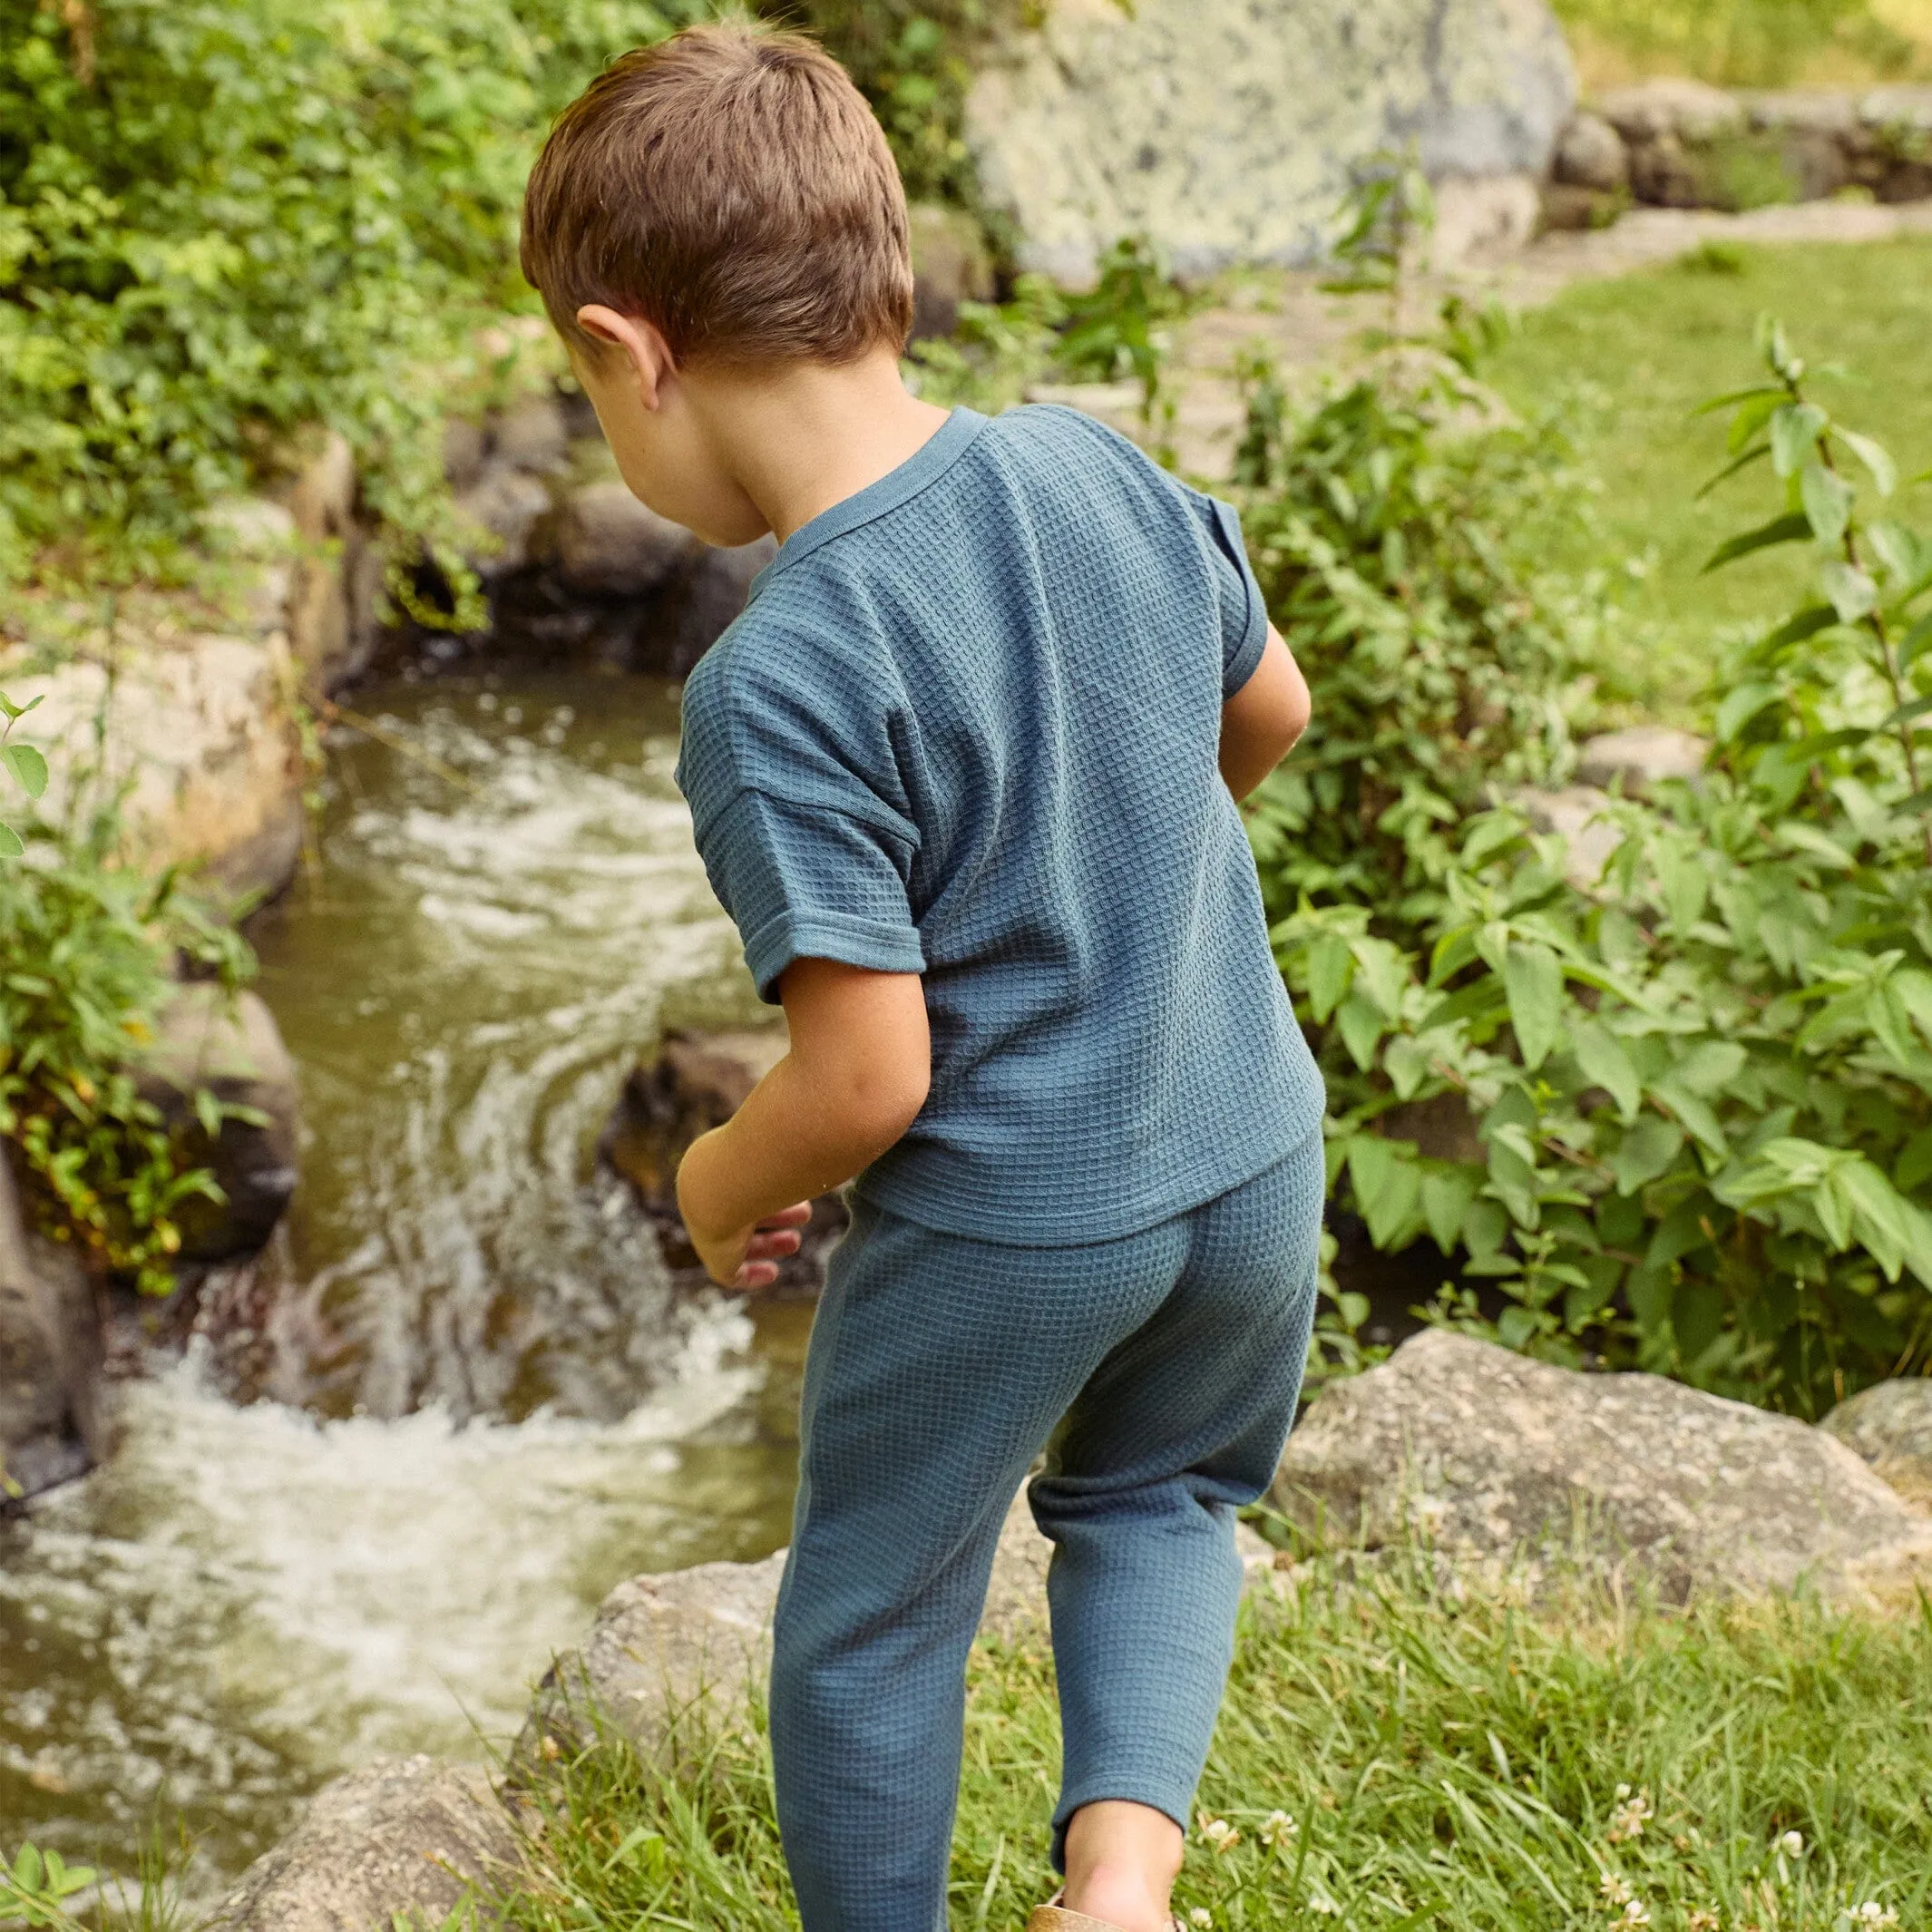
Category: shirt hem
[1008,1227]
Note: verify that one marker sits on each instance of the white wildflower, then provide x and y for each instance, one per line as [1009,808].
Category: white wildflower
[1636,1913]
[1200,1915]
[1627,1822]
[1880,1917]
[1219,1833]
[1276,1830]
[1792,1844]
[1701,1918]
[1614,1891]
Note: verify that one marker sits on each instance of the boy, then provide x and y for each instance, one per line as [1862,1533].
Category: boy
[964,774]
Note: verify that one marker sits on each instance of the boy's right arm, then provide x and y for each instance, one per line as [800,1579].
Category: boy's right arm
[1262,721]
[856,1075]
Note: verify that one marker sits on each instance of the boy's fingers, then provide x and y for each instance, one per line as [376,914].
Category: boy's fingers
[795,1215]
[772,1247]
[755,1275]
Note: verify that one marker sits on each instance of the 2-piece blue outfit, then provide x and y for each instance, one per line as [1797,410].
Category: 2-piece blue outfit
[968,726]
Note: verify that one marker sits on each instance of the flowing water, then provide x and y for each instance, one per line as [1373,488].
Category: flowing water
[477,1403]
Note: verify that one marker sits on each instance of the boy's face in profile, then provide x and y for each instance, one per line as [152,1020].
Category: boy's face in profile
[668,427]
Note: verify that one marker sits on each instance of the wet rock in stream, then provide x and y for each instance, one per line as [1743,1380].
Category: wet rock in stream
[55,1422]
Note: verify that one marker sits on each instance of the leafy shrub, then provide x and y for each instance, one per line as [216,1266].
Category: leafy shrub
[912,60]
[88,947]
[1694,1093]
[220,221]
[1392,530]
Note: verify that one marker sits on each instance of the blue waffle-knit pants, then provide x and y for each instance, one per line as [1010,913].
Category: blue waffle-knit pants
[1165,1367]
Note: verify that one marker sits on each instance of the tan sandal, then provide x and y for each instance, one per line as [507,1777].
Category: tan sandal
[1053,1916]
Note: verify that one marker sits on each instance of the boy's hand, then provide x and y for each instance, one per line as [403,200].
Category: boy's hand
[859,1063]
[735,1257]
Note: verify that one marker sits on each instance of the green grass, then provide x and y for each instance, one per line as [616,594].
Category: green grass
[1640,353]
[1458,1766]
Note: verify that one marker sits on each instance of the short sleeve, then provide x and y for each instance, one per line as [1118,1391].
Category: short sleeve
[803,881]
[1243,613]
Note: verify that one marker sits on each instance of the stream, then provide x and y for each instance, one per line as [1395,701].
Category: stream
[478,1403]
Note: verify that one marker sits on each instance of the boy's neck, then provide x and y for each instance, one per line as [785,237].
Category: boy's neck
[812,434]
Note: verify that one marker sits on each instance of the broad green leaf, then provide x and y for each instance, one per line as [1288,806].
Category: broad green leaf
[11,846]
[1389,1211]
[1361,1027]
[1533,977]
[1330,967]
[1695,1114]
[1646,1151]
[1744,702]
[1795,528]
[1801,625]
[1875,457]
[10,710]
[1775,392]
[1914,1165]
[1710,1067]
[1915,641]
[1605,1064]
[1794,432]
[28,768]
[1851,591]
[1828,500]
[1447,1198]
[1697,1313]
[1904,714]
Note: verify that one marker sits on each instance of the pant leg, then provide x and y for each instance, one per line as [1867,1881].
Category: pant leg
[938,1368]
[1182,1425]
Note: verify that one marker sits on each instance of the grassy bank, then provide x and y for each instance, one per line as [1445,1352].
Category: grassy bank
[1639,353]
[1749,42]
[1393,1759]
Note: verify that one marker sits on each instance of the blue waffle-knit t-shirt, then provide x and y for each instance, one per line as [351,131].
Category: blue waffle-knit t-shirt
[968,726]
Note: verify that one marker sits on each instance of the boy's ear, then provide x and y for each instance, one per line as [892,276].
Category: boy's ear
[636,341]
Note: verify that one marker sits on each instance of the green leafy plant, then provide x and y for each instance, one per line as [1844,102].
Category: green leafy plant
[223,221]
[88,946]
[24,764]
[1393,530]
[1677,1110]
[34,1890]
[1122,328]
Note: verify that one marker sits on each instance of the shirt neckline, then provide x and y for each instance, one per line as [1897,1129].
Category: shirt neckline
[925,465]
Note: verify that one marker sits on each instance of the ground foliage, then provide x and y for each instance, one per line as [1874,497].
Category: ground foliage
[1699,1084]
[226,221]
[1393,1755]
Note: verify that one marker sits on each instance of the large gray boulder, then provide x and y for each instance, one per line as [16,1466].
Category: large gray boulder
[229,1047]
[53,1422]
[693,1640]
[1228,130]
[198,727]
[1890,1427]
[1491,1458]
[411,1836]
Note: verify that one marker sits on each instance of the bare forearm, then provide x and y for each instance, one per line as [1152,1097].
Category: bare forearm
[792,1140]
[856,1078]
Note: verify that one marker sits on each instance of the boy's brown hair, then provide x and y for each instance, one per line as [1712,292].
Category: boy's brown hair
[731,186]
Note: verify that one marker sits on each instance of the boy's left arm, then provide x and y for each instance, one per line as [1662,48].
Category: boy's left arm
[856,1076]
